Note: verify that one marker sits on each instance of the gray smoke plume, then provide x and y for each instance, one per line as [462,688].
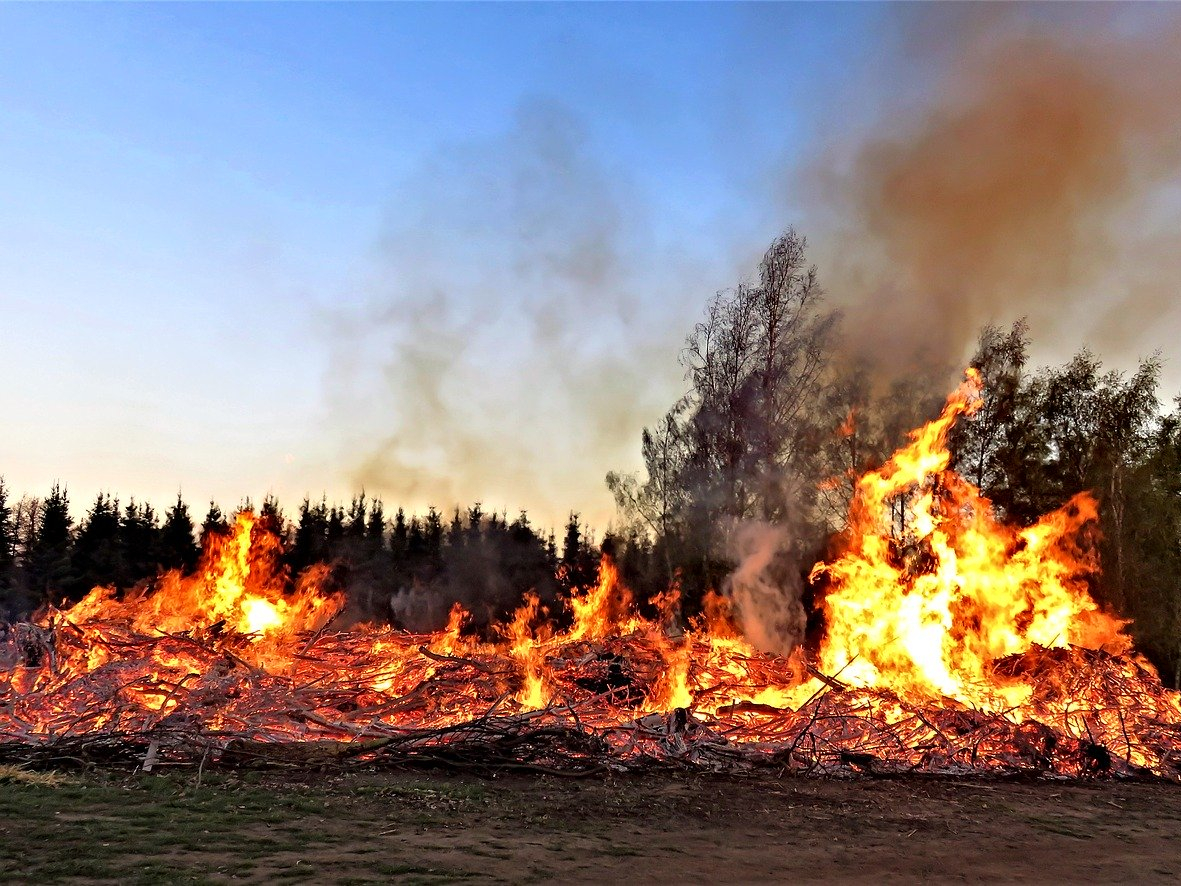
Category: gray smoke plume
[520,329]
[764,590]
[522,325]
[1037,177]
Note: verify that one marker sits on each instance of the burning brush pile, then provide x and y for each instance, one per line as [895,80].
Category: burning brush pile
[952,644]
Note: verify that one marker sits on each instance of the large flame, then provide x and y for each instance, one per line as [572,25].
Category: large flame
[932,590]
[240,588]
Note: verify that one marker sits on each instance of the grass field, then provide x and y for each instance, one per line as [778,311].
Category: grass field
[367,827]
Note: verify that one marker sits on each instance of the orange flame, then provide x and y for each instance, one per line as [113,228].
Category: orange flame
[239,587]
[932,589]
[602,610]
[526,648]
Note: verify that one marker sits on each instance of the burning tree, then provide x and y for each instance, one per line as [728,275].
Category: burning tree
[780,422]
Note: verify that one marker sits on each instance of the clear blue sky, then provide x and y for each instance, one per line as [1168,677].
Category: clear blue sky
[214,218]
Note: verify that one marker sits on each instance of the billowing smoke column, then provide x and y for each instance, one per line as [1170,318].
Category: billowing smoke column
[1002,191]
[765,589]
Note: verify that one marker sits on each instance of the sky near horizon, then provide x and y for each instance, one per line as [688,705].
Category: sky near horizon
[444,252]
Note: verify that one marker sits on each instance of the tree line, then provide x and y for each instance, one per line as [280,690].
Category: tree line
[408,569]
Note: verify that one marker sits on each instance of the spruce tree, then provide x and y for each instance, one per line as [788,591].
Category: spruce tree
[355,524]
[375,528]
[578,557]
[334,533]
[311,535]
[49,556]
[138,536]
[7,550]
[455,534]
[214,524]
[475,519]
[178,550]
[271,518]
[97,557]
[433,535]
[416,549]
[399,548]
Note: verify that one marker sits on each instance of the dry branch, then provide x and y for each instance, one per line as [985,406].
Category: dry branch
[388,699]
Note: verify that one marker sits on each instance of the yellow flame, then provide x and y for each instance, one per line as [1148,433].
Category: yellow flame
[926,609]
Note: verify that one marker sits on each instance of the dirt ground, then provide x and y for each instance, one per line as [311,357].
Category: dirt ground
[422,827]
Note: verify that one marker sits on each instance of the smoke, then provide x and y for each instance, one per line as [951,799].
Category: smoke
[487,574]
[519,329]
[1026,179]
[522,323]
[765,590]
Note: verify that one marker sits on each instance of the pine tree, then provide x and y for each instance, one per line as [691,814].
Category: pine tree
[475,519]
[455,533]
[578,558]
[572,541]
[138,534]
[311,535]
[178,550]
[215,524]
[416,548]
[521,531]
[551,550]
[49,557]
[268,567]
[97,557]
[355,523]
[375,528]
[334,532]
[399,550]
[7,550]
[271,518]
[433,536]
[399,538]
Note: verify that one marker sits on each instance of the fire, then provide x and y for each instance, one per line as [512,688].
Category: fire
[239,588]
[951,642]
[597,613]
[932,590]
[526,648]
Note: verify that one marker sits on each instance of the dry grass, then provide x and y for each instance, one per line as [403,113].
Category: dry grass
[12,775]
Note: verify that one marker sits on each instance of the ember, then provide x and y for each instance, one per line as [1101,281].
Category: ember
[953,644]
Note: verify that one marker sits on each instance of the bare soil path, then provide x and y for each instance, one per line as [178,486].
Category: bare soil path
[370,827]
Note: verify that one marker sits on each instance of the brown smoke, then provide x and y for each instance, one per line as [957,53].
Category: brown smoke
[1022,186]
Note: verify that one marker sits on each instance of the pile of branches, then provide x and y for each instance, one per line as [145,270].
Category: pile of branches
[103,694]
